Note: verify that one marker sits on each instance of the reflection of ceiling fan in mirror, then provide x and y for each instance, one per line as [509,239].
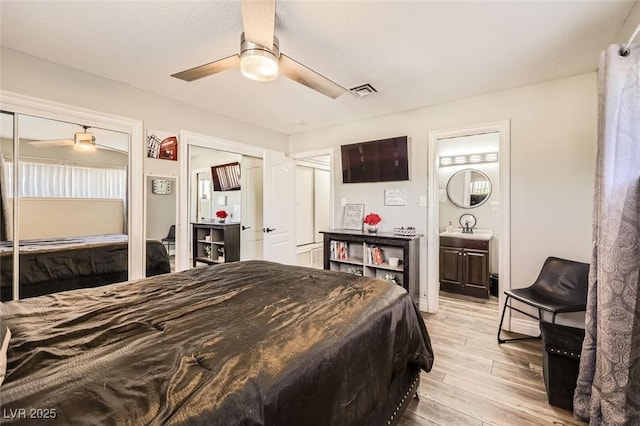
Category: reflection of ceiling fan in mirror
[260,58]
[82,141]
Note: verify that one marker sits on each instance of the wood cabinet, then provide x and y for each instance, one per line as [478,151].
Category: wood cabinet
[355,252]
[464,266]
[215,242]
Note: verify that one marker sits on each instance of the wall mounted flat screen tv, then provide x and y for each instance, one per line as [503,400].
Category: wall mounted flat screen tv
[375,161]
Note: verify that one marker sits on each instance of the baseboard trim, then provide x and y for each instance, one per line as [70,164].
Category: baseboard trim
[423,306]
[525,326]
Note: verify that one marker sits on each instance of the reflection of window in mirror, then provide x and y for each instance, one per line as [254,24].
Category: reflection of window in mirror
[83,191]
[469,188]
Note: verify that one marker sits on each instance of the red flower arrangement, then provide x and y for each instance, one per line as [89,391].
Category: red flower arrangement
[372,219]
[221,214]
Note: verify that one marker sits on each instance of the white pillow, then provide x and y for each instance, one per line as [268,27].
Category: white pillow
[5,336]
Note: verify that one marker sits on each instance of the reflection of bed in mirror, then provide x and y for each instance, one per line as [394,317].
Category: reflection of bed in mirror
[60,264]
[250,342]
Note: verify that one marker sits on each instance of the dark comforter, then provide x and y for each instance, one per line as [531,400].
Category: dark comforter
[52,265]
[239,343]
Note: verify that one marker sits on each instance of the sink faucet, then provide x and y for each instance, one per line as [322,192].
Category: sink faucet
[467,229]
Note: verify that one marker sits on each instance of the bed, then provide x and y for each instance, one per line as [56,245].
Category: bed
[52,265]
[251,343]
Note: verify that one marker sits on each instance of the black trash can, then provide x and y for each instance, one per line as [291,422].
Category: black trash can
[493,284]
[560,362]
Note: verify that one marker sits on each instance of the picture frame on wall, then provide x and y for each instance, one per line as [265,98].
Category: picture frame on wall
[353,216]
[162,145]
[395,197]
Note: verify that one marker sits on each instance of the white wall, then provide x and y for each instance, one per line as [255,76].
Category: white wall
[553,147]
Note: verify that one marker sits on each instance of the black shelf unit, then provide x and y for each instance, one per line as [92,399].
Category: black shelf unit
[356,246]
[215,243]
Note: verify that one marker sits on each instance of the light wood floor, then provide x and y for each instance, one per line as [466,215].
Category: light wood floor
[475,381]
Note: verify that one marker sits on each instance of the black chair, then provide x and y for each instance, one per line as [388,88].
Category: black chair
[561,287]
[170,239]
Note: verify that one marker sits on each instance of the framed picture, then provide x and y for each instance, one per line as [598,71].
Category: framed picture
[395,197]
[162,145]
[353,216]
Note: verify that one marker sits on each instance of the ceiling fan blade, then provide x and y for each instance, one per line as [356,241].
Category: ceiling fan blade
[259,21]
[303,75]
[53,142]
[208,69]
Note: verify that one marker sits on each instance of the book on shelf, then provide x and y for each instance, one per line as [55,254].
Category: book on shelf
[375,255]
[338,250]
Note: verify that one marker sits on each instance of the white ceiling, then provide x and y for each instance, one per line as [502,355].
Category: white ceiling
[415,53]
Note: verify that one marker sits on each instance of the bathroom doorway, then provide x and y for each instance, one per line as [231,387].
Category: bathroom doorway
[469,188]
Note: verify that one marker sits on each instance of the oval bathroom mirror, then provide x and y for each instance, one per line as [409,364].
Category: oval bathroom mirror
[468,188]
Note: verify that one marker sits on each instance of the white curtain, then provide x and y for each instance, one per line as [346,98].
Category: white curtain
[608,388]
[67,181]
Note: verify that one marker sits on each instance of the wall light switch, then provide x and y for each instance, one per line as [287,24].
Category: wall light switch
[423,201]
[343,201]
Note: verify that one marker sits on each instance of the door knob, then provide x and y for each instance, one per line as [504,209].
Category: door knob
[245,227]
[267,229]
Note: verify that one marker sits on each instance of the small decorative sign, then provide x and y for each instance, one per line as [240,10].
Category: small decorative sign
[353,216]
[395,197]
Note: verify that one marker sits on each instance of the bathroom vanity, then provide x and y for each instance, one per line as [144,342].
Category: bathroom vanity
[464,262]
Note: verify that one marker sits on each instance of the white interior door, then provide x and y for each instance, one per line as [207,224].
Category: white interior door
[279,208]
[251,235]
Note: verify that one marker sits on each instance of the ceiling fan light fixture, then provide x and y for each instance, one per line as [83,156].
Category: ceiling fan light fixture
[84,142]
[259,65]
[258,62]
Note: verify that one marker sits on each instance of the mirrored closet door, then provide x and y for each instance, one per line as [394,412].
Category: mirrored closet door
[6,208]
[70,183]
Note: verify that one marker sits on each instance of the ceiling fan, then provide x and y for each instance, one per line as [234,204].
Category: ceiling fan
[82,141]
[260,58]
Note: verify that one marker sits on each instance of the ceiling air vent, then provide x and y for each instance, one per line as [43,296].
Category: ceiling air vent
[363,90]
